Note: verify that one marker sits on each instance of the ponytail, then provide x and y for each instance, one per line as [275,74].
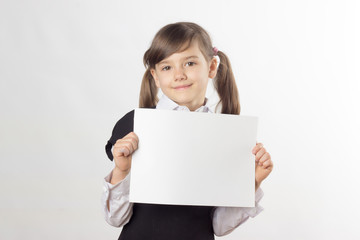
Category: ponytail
[148,92]
[225,85]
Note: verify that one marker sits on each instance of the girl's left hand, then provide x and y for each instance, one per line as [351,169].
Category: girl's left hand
[263,163]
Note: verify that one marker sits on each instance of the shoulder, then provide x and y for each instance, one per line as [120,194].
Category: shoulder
[123,126]
[127,119]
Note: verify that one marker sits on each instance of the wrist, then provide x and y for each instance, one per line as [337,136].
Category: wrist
[257,185]
[118,175]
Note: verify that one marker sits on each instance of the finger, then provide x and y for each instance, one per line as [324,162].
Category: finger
[267,164]
[129,144]
[257,147]
[132,136]
[265,157]
[125,151]
[259,154]
[133,141]
[118,151]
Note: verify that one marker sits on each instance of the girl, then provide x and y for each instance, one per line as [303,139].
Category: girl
[179,61]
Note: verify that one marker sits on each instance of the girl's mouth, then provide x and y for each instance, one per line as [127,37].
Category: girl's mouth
[183,87]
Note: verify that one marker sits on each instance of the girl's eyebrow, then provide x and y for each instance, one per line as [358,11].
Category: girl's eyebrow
[185,58]
[191,57]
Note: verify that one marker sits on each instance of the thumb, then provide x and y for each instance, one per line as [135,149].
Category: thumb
[125,151]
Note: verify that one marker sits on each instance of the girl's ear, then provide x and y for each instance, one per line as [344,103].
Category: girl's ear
[213,68]
[155,77]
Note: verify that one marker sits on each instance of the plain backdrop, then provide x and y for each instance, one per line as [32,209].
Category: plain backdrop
[70,69]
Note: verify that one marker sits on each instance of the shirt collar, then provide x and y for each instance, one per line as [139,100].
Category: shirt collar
[168,104]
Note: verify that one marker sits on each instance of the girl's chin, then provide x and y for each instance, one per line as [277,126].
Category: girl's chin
[183,100]
[189,104]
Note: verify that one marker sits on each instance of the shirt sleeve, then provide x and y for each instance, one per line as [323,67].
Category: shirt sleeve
[115,200]
[226,219]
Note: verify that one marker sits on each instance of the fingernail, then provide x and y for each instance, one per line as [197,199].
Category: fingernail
[122,150]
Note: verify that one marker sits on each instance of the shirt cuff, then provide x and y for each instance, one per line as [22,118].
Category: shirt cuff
[254,211]
[117,190]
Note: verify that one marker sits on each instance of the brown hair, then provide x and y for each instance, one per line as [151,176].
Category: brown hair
[177,37]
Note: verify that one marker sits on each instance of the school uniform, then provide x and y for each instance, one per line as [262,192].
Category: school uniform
[166,222]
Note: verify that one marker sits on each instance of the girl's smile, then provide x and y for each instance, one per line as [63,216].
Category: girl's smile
[183,87]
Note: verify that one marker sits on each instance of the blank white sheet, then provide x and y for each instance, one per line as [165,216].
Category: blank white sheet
[193,158]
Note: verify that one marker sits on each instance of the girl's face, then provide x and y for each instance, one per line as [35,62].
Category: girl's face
[183,76]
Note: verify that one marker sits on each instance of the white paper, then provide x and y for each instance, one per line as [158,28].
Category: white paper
[193,158]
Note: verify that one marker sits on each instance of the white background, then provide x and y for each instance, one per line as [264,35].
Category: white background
[70,69]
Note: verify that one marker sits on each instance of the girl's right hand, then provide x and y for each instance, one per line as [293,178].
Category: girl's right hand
[122,153]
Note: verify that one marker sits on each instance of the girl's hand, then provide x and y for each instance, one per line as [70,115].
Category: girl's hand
[263,163]
[122,153]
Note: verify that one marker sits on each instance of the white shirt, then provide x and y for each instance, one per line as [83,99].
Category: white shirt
[225,219]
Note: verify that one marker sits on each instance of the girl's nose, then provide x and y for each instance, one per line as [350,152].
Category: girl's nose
[180,74]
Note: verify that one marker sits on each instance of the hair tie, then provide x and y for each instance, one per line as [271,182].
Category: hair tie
[215,51]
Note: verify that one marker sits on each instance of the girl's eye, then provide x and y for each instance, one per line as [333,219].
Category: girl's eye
[165,68]
[190,63]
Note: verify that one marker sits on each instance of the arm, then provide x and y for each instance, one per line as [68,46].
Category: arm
[117,209]
[226,219]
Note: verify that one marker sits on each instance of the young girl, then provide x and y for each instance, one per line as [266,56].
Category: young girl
[180,61]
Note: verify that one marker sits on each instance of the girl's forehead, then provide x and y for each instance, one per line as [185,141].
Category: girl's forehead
[191,51]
